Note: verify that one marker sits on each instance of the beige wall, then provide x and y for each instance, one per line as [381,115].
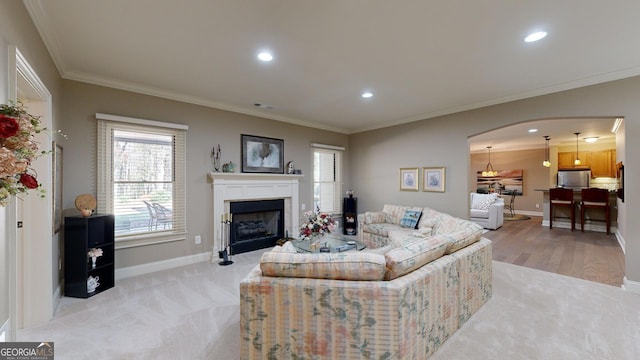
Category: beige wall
[535,175]
[377,155]
[207,127]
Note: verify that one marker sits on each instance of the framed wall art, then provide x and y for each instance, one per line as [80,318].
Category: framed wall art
[505,182]
[409,179]
[433,179]
[262,154]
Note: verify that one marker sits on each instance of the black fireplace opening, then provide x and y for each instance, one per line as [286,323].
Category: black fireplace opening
[256,224]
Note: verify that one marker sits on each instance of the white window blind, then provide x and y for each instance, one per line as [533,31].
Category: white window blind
[141,177]
[327,181]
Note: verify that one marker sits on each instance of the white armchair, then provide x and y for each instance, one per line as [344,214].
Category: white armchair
[487,210]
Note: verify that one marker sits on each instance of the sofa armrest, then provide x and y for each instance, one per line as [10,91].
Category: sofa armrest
[496,209]
[496,215]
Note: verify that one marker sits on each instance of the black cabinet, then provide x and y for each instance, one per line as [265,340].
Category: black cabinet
[350,216]
[82,235]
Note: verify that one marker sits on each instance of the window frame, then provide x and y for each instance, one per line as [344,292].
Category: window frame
[337,183]
[105,182]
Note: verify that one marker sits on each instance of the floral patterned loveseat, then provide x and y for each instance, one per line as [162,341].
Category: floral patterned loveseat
[403,304]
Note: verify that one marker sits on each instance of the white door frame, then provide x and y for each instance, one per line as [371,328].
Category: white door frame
[30,249]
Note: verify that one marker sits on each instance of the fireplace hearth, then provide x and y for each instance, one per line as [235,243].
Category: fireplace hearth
[256,224]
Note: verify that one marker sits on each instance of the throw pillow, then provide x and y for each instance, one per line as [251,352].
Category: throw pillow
[482,201]
[410,219]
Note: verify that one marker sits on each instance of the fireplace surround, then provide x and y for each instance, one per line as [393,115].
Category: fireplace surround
[237,187]
[257,224]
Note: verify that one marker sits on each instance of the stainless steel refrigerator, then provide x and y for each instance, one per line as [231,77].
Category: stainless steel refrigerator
[574,179]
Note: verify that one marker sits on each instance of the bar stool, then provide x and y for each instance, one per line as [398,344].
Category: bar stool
[561,197]
[598,199]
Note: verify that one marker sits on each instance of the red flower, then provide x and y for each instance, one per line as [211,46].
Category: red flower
[8,126]
[29,181]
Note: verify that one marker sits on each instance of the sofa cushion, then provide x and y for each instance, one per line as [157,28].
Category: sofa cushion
[483,201]
[463,238]
[410,218]
[380,229]
[429,218]
[402,236]
[339,266]
[374,217]
[409,257]
[395,213]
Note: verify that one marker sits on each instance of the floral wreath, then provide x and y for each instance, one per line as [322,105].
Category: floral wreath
[17,150]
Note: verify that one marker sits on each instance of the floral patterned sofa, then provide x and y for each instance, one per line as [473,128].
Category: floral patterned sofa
[400,304]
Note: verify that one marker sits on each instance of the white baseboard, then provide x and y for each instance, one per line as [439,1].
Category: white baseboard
[529,213]
[148,268]
[632,286]
[587,227]
[57,296]
[621,241]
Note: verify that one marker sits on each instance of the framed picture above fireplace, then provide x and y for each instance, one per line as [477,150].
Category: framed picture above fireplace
[262,154]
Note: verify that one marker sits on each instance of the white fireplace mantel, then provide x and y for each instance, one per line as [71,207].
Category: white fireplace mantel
[229,187]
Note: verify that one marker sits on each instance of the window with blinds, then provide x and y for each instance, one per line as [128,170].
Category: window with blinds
[327,180]
[141,172]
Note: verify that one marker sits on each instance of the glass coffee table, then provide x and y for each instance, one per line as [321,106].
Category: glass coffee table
[328,243]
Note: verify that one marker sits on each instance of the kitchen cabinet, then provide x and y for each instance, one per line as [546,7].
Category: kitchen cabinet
[603,163]
[566,159]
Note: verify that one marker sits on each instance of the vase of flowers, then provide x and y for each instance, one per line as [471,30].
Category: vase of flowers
[94,254]
[316,225]
[17,150]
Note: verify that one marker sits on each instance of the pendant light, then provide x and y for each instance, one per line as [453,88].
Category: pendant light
[489,170]
[546,162]
[577,161]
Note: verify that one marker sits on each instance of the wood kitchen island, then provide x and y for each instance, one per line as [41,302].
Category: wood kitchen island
[563,216]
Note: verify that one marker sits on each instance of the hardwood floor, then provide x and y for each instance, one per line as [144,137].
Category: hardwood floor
[586,255]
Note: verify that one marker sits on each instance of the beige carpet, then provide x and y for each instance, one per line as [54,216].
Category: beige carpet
[192,313]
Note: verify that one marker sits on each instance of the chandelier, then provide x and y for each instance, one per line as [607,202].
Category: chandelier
[577,161]
[546,162]
[489,170]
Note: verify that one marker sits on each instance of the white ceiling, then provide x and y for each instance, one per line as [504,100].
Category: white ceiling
[420,58]
[560,131]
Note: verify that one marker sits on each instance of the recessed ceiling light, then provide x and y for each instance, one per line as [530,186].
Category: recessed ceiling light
[265,56]
[535,36]
[533,130]
[367,94]
[591,139]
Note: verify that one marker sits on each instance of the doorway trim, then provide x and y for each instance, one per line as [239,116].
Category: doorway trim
[31,301]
